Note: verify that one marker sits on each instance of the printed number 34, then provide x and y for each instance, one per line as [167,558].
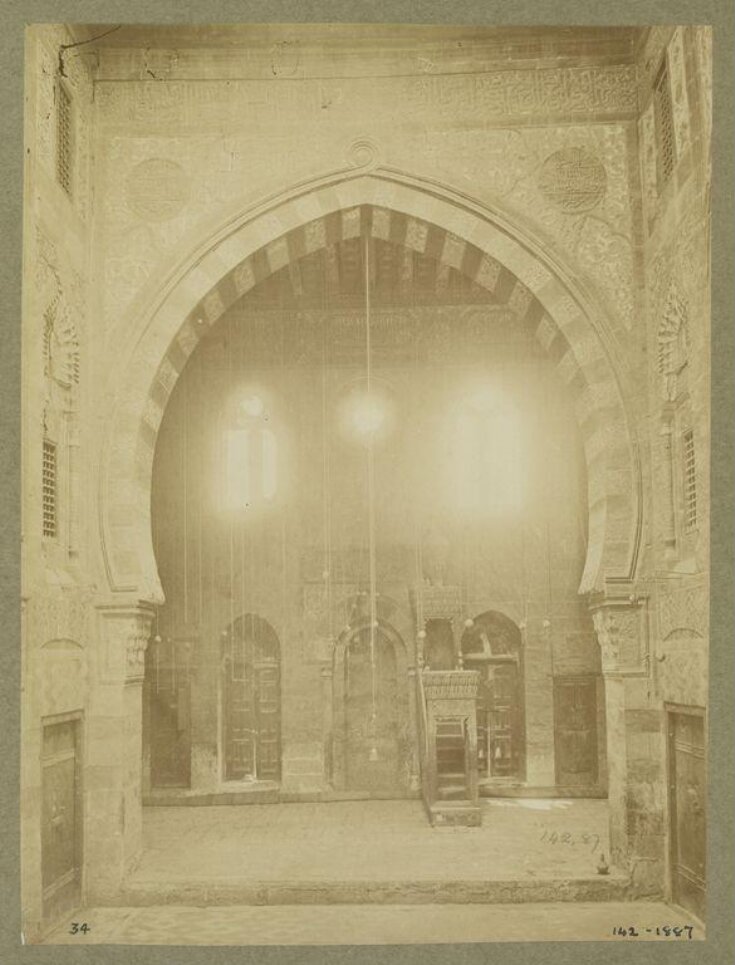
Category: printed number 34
[79,927]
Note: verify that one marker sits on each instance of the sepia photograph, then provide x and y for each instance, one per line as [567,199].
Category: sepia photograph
[365,478]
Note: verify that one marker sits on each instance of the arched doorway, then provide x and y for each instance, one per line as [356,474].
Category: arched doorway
[492,644]
[371,738]
[251,700]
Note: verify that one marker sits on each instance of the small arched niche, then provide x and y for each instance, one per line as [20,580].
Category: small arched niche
[372,740]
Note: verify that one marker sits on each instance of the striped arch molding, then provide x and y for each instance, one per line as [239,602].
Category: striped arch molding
[436,223]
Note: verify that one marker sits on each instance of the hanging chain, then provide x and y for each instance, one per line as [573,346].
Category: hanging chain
[371,506]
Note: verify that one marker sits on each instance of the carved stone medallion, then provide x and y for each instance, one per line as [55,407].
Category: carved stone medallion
[573,180]
[156,189]
[61,344]
[363,153]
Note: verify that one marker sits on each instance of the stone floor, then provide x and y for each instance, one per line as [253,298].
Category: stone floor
[376,924]
[262,874]
[372,841]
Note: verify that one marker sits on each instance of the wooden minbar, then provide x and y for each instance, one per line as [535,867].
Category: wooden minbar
[450,785]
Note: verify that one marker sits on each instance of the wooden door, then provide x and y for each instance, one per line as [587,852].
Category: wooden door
[239,713]
[252,711]
[575,730]
[268,738]
[688,809]
[504,725]
[61,819]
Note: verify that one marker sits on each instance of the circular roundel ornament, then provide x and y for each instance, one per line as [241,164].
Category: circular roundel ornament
[156,189]
[573,179]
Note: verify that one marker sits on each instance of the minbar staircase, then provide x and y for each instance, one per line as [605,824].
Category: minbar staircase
[449,746]
[451,778]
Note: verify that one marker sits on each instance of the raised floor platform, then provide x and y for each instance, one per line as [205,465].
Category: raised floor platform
[363,852]
[270,792]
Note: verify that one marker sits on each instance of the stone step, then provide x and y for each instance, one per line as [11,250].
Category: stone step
[455,811]
[274,795]
[206,892]
[451,792]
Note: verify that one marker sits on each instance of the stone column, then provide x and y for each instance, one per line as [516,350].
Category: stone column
[635,742]
[414,766]
[146,739]
[113,772]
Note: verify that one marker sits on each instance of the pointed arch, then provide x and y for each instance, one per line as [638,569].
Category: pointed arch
[430,219]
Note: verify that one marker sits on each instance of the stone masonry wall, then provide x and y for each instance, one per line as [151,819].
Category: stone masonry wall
[673,577]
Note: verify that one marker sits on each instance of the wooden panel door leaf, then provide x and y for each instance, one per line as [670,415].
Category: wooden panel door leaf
[252,702]
[575,730]
[61,819]
[688,810]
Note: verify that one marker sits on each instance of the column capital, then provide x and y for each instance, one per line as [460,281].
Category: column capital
[126,628]
[620,623]
[668,414]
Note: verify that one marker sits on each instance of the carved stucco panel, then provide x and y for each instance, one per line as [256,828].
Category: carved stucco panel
[62,676]
[45,109]
[621,635]
[673,340]
[681,659]
[647,137]
[523,92]
[219,171]
[56,618]
[146,218]
[683,609]
[573,180]
[679,98]
[703,43]
[61,343]
[600,237]
[520,92]
[678,300]
[126,632]
[54,272]
[650,59]
[682,672]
